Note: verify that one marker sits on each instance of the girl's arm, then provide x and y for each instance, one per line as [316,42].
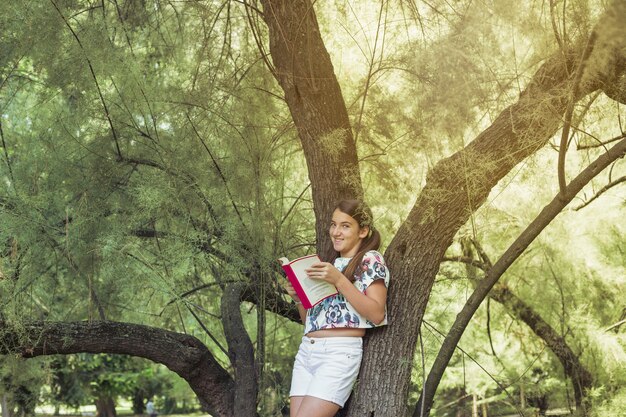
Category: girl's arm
[292,292]
[370,305]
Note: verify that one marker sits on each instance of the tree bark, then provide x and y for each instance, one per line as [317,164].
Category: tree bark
[6,411]
[305,73]
[181,353]
[105,407]
[240,352]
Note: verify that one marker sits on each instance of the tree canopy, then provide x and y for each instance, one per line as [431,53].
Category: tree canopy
[159,156]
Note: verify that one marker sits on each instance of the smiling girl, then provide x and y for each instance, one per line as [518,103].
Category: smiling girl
[329,357]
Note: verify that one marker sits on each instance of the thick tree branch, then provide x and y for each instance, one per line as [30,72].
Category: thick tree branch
[511,254]
[181,353]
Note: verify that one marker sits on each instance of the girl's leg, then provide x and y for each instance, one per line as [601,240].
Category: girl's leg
[294,405]
[315,407]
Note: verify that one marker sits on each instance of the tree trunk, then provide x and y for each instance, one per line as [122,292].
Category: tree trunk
[474,405]
[138,398]
[6,411]
[461,403]
[105,407]
[304,71]
[240,352]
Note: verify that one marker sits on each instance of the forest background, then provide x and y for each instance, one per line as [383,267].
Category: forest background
[159,156]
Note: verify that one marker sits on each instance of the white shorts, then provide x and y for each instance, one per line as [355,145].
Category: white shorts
[327,368]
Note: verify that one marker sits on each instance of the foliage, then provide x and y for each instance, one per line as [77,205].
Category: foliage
[608,405]
[80,379]
[20,382]
[149,158]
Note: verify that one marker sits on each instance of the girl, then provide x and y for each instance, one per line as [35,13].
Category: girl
[329,356]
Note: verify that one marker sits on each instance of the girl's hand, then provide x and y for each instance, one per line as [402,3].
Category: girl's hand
[324,271]
[291,291]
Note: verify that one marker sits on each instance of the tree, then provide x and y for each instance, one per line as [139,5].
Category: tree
[97,379]
[455,187]
[160,178]
[20,386]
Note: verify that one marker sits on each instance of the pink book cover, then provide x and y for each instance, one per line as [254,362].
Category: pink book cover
[310,291]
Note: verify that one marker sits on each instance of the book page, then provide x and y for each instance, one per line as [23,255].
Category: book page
[315,289]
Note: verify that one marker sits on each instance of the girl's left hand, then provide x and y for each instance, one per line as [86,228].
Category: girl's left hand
[324,271]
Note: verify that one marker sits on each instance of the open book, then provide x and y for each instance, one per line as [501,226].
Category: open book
[310,291]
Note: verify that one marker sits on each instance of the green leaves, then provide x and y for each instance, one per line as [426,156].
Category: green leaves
[148,157]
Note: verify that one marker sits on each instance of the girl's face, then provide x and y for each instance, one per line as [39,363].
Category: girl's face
[346,234]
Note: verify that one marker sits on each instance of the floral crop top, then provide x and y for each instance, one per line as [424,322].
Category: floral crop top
[336,311]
